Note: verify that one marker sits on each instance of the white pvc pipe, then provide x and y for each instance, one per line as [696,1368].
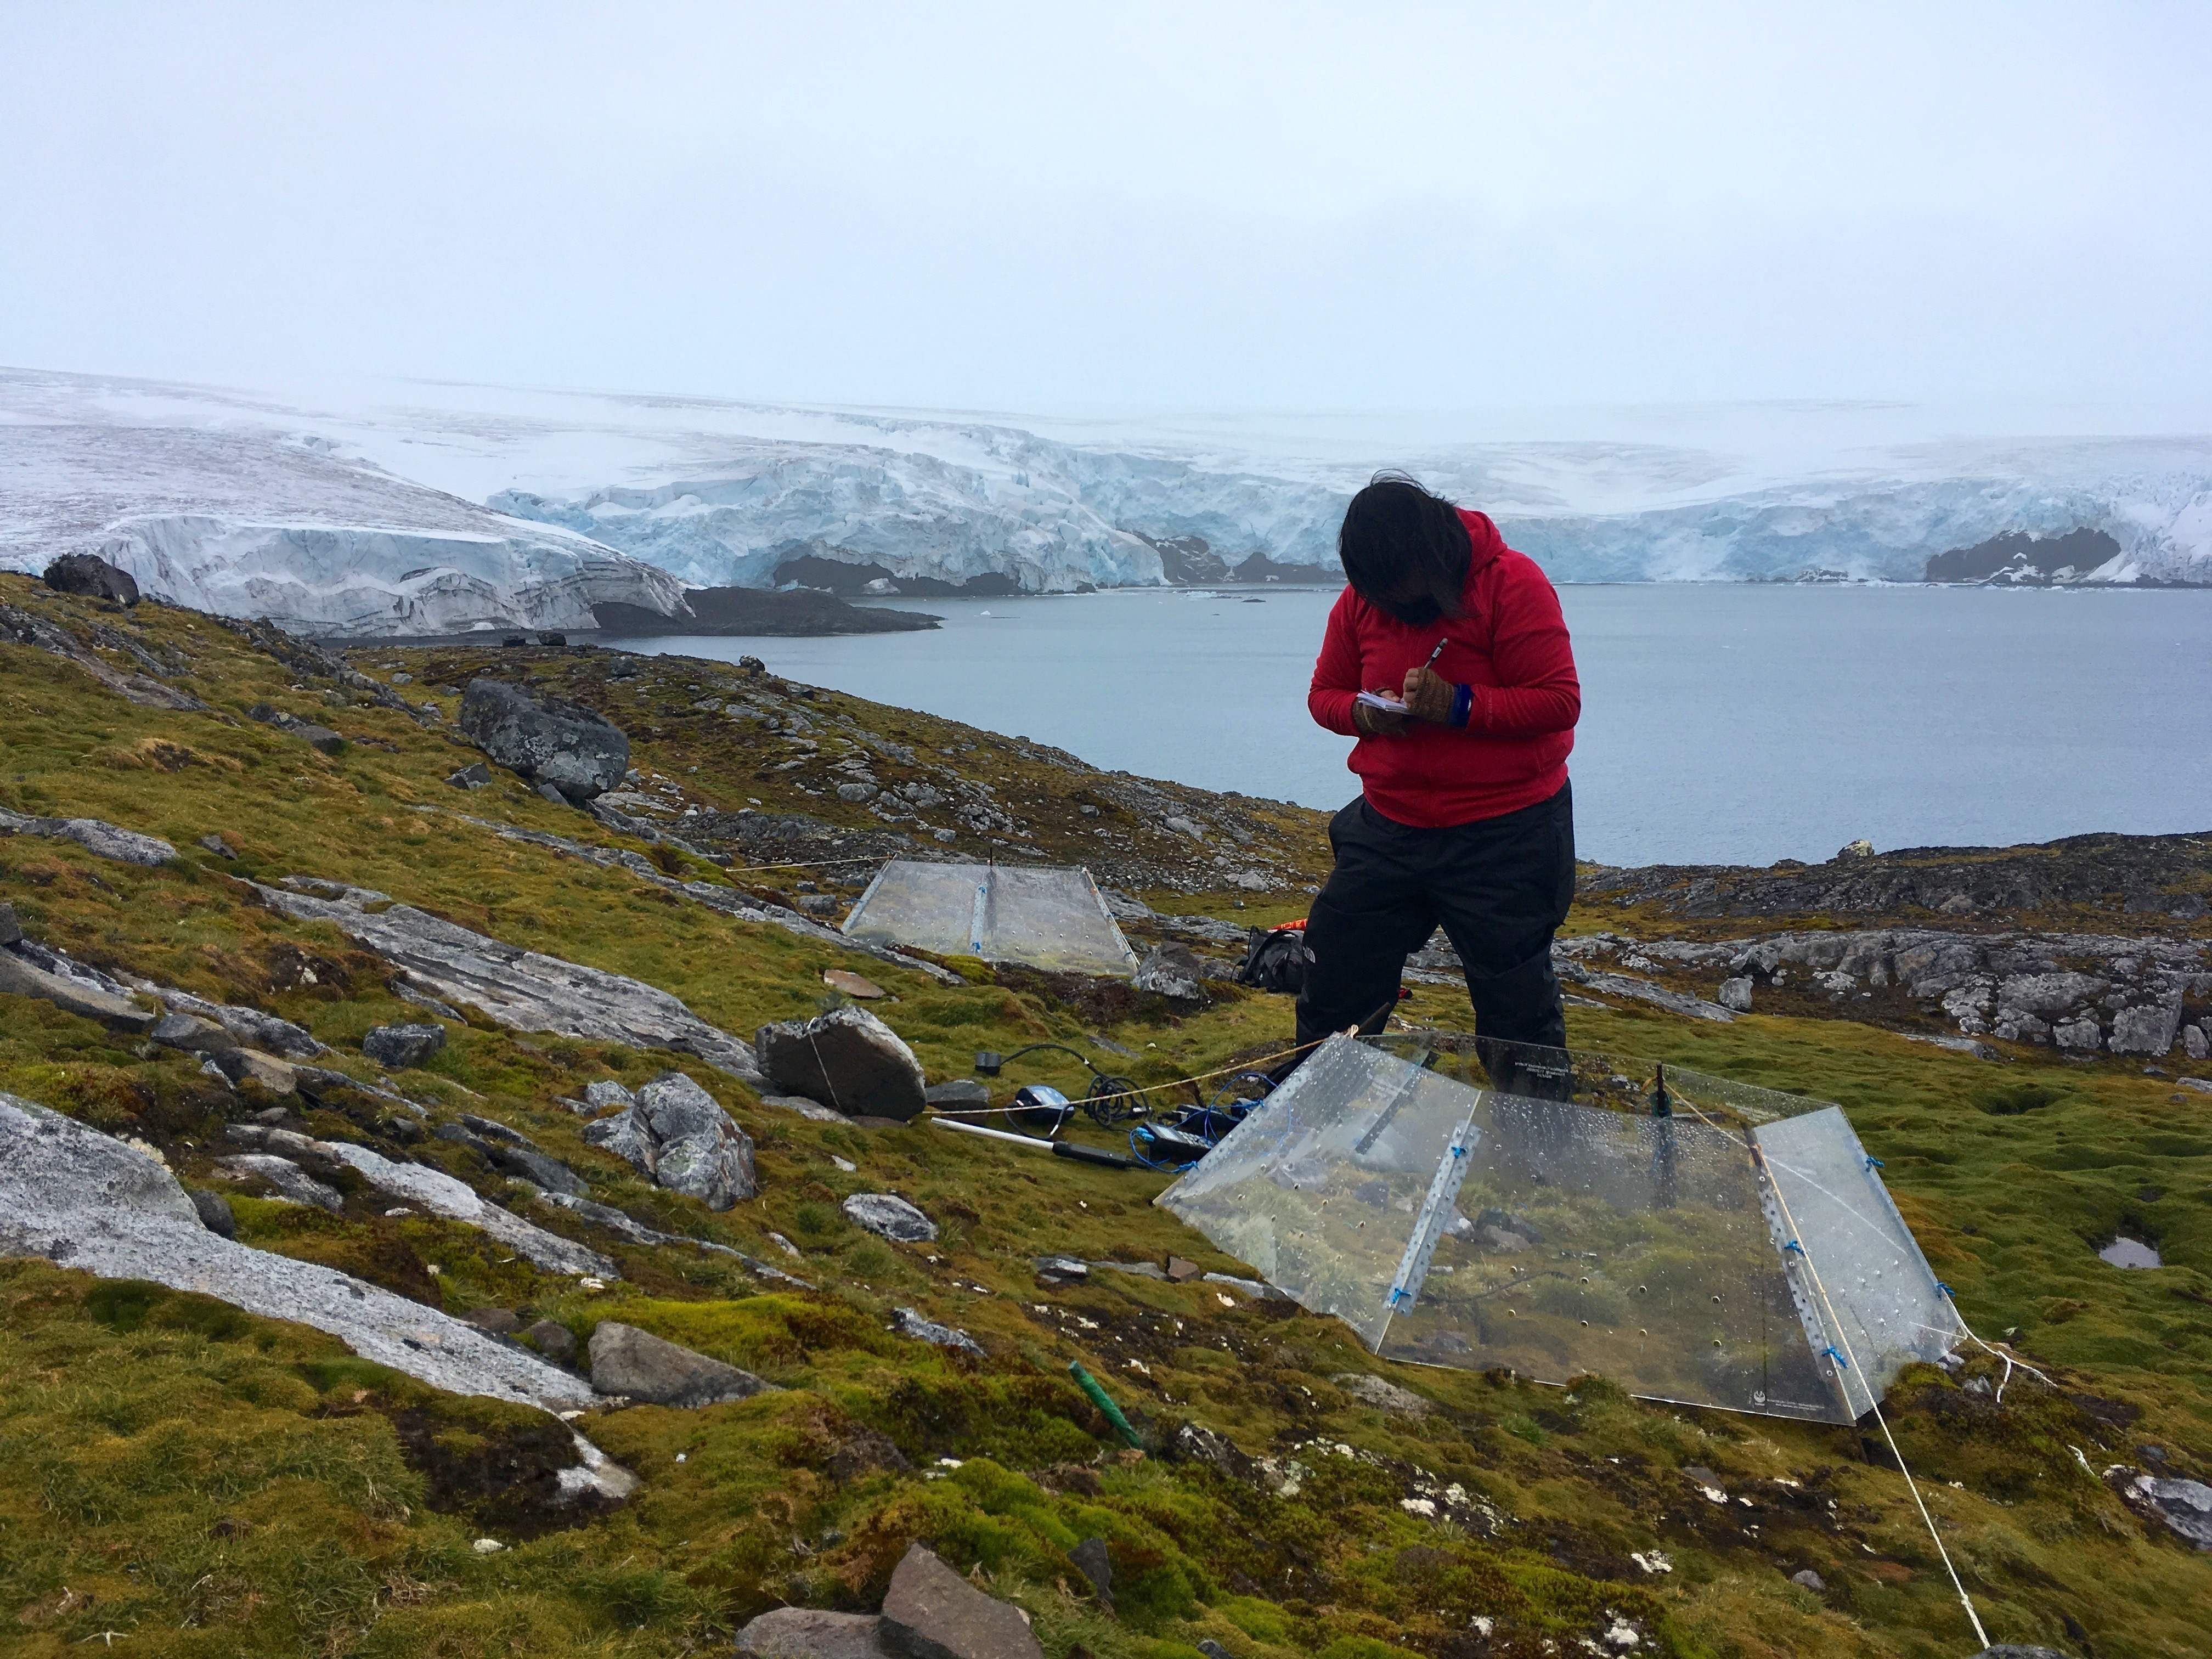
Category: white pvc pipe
[994,1134]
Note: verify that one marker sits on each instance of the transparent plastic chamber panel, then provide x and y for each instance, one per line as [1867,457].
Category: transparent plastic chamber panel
[1661,1230]
[1050,918]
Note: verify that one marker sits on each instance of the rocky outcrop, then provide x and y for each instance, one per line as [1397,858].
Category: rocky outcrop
[1174,971]
[432,1190]
[521,989]
[912,1323]
[102,840]
[630,1361]
[546,739]
[2183,1507]
[84,1200]
[22,978]
[678,1136]
[848,1058]
[91,577]
[21,627]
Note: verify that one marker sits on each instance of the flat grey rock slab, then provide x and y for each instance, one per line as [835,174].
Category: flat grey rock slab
[628,1361]
[524,990]
[1381,1394]
[810,1633]
[84,1200]
[19,978]
[931,1612]
[100,839]
[293,1184]
[889,1216]
[395,1048]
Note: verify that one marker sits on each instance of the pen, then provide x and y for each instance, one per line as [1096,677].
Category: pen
[1434,654]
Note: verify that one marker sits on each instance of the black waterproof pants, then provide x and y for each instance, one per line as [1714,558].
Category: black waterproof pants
[1500,887]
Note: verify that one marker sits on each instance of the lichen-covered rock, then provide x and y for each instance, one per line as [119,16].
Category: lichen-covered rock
[910,1323]
[1381,1394]
[678,1136]
[1174,971]
[19,978]
[848,1058]
[549,741]
[631,1362]
[2146,1030]
[891,1217]
[1735,995]
[96,837]
[291,1183]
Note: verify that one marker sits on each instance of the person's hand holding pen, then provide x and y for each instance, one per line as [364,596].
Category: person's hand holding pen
[1430,697]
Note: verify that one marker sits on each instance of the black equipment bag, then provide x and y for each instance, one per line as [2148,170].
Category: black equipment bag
[1276,959]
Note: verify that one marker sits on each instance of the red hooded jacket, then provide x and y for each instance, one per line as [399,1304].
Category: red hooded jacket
[1509,643]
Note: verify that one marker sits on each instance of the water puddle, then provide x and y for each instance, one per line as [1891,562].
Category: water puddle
[2130,1252]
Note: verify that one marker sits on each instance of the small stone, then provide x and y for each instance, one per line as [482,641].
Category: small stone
[487,1546]
[1181,1271]
[891,1217]
[214,1212]
[933,1613]
[1809,1579]
[475,776]
[1735,995]
[961,1092]
[191,1034]
[292,1183]
[495,1321]
[553,1339]
[395,1048]
[1092,1561]
[851,984]
[277,1077]
[218,846]
[628,1361]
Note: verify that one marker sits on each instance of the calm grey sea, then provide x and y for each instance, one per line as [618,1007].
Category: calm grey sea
[1720,723]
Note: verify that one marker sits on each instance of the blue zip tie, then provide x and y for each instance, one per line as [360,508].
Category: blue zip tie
[1793,1245]
[1830,1352]
[1397,1294]
[1947,1290]
[1876,1164]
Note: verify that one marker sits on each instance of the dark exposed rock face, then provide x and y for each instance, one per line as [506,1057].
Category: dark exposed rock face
[2029,561]
[849,579]
[849,1058]
[812,1633]
[398,1046]
[546,739]
[758,611]
[2162,877]
[91,576]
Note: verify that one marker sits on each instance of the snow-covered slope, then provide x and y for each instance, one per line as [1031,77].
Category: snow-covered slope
[365,509]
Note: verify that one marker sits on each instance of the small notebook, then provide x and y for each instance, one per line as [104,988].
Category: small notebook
[1375,700]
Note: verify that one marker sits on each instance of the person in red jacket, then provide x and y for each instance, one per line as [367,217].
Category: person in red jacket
[1465,818]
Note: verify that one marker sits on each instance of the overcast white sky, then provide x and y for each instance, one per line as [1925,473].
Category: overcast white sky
[1059,207]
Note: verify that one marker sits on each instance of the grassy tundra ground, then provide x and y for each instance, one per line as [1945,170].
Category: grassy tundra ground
[179,1477]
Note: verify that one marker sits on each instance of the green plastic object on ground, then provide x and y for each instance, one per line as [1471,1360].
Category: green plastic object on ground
[1104,1402]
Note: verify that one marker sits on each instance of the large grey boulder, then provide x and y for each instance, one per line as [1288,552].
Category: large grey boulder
[931,1612]
[848,1058]
[812,1633]
[678,1136]
[1735,995]
[521,989]
[92,577]
[545,738]
[889,1216]
[2049,994]
[74,1196]
[249,1026]
[395,1048]
[628,1361]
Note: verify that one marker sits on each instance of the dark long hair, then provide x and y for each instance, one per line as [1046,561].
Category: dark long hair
[1405,550]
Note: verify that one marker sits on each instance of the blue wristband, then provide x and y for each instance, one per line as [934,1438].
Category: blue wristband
[1462,704]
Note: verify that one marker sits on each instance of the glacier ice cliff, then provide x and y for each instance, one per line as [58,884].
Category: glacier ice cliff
[469,506]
